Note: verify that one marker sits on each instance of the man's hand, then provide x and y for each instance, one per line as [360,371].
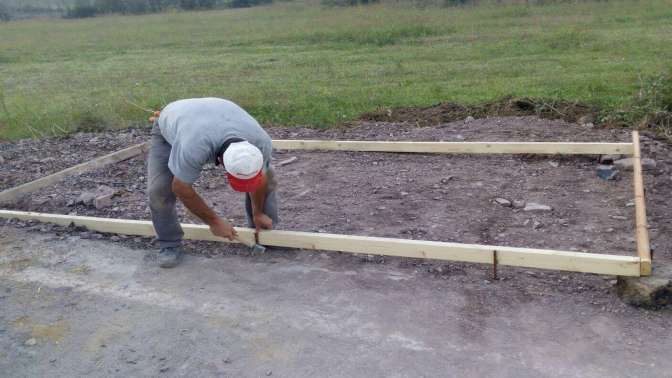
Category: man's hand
[223,229]
[262,220]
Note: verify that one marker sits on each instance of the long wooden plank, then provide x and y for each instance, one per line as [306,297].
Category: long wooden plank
[642,232]
[13,194]
[458,147]
[522,257]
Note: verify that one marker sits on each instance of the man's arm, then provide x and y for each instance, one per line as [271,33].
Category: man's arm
[218,226]
[261,220]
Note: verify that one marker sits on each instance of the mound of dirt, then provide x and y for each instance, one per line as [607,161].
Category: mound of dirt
[446,112]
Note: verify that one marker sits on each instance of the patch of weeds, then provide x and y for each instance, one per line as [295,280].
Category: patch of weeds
[88,120]
[446,112]
[650,108]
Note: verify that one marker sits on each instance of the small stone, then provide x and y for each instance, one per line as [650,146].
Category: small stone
[630,204]
[537,225]
[446,179]
[86,198]
[627,163]
[536,207]
[654,291]
[607,172]
[503,202]
[2,160]
[30,342]
[103,201]
[115,238]
[618,217]
[469,119]
[563,222]
[586,119]
[554,164]
[269,373]
[287,161]
[518,204]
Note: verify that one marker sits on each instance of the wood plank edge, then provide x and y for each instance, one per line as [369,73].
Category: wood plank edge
[474,253]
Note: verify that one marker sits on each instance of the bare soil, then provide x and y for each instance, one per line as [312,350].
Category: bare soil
[428,197]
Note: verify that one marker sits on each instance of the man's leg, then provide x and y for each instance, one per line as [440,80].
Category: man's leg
[270,204]
[162,200]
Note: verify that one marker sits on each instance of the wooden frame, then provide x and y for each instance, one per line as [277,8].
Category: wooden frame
[474,253]
[522,257]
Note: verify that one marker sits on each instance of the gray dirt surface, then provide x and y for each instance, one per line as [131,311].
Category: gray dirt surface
[74,307]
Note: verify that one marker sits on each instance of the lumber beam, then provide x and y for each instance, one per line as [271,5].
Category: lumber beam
[13,194]
[474,253]
[544,148]
[642,232]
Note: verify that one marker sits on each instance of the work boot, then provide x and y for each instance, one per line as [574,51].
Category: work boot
[169,257]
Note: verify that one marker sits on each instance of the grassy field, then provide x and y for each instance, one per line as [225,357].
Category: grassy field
[303,64]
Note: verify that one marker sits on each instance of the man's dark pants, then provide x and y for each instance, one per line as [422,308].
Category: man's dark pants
[162,199]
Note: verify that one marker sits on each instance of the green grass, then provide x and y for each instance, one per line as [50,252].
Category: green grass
[302,64]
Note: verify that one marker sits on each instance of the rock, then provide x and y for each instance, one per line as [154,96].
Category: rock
[518,204]
[445,180]
[607,172]
[554,164]
[654,291]
[86,198]
[586,119]
[503,202]
[536,207]
[609,159]
[103,201]
[287,161]
[537,225]
[100,198]
[627,163]
[30,342]
[2,160]
[469,119]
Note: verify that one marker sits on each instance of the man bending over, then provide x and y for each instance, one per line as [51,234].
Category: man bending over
[187,135]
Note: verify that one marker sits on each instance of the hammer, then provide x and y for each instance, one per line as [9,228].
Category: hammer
[255,247]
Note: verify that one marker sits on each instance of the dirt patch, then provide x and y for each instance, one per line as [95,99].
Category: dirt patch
[30,159]
[509,106]
[430,197]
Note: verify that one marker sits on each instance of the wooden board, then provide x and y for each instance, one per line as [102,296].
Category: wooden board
[458,147]
[13,194]
[642,232]
[522,257]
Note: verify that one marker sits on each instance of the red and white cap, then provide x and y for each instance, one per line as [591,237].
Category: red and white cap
[243,162]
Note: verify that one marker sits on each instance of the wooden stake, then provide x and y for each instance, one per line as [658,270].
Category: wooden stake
[524,257]
[642,232]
